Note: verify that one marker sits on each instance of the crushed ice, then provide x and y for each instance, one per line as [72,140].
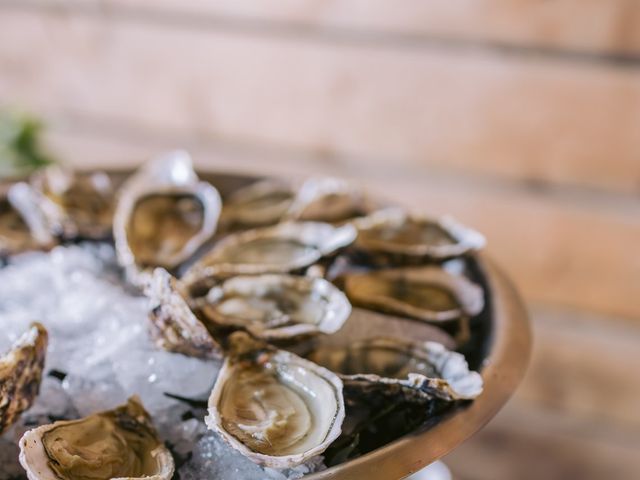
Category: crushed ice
[98,338]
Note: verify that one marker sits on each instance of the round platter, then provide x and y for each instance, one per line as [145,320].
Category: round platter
[501,353]
[499,350]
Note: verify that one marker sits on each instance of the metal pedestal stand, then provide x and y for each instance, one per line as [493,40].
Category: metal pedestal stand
[435,471]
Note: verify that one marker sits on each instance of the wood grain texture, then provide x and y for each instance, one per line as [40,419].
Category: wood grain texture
[583,366]
[575,414]
[528,443]
[598,26]
[562,249]
[520,119]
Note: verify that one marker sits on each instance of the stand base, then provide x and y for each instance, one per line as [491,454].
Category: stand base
[435,471]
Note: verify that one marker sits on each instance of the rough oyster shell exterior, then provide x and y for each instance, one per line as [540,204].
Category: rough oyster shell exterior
[84,201]
[21,373]
[22,205]
[172,324]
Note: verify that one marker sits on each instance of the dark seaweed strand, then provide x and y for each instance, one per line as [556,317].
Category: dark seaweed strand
[192,402]
[57,374]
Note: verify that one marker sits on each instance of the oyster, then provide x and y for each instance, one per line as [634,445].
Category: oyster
[23,224]
[394,232]
[329,200]
[85,201]
[20,374]
[425,293]
[164,214]
[285,247]
[173,325]
[116,444]
[262,203]
[276,408]
[272,306]
[416,370]
[366,324]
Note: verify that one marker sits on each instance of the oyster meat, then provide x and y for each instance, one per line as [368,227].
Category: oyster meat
[329,200]
[418,371]
[285,247]
[21,373]
[85,201]
[273,306]
[426,293]
[394,232]
[23,224]
[173,325]
[164,214]
[262,203]
[366,324]
[276,408]
[115,444]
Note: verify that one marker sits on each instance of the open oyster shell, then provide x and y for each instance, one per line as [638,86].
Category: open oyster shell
[274,407]
[264,202]
[426,293]
[21,373]
[23,223]
[285,247]
[327,199]
[394,232]
[116,444]
[273,306]
[363,325]
[85,201]
[164,214]
[173,325]
[418,371]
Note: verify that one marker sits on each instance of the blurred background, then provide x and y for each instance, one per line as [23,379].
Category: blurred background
[520,118]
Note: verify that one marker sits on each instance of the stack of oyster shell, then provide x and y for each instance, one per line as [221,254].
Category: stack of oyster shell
[269,282]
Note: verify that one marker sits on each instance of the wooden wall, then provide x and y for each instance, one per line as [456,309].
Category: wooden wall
[521,118]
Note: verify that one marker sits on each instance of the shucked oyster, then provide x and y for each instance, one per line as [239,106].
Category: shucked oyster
[394,232]
[173,325]
[85,201]
[23,224]
[164,214]
[275,306]
[279,249]
[418,371]
[276,408]
[425,293]
[20,374]
[363,325]
[115,444]
[262,203]
[329,200]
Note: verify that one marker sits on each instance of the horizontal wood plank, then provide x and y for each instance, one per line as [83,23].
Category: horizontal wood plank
[519,119]
[575,414]
[560,249]
[598,26]
[582,366]
[526,443]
